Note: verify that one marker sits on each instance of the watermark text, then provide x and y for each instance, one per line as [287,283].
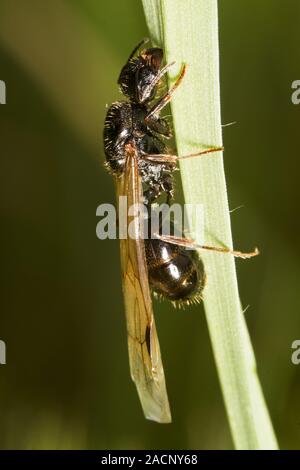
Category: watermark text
[2,92]
[296,353]
[2,352]
[295,97]
[138,221]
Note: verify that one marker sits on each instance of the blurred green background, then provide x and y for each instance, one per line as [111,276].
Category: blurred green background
[66,382]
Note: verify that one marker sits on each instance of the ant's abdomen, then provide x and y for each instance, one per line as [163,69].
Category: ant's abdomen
[174,273]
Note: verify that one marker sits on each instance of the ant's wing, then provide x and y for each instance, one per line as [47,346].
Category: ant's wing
[144,353]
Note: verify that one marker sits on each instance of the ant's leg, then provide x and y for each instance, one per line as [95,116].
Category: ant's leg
[154,82]
[169,197]
[141,43]
[168,187]
[160,126]
[187,243]
[151,194]
[165,158]
[167,97]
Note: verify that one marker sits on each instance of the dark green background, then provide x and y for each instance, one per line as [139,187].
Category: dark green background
[66,383]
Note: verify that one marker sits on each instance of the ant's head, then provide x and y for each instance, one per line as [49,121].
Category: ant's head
[138,77]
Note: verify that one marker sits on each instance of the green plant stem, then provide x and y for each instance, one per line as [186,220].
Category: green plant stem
[188,32]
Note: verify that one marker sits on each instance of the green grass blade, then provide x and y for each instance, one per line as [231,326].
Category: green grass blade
[188,32]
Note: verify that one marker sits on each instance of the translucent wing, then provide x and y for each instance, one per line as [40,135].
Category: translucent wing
[144,353]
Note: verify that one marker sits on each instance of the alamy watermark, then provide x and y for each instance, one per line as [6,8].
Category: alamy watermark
[2,352]
[137,221]
[2,92]
[295,97]
[295,358]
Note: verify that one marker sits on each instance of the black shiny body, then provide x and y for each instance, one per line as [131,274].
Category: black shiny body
[174,272]
[125,122]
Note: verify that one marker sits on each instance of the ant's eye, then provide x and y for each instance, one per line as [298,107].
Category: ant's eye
[156,58]
[153,58]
